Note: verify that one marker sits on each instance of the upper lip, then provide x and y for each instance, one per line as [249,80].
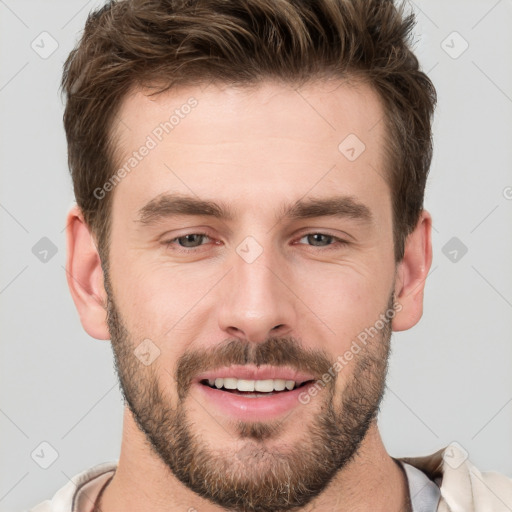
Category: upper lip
[250,372]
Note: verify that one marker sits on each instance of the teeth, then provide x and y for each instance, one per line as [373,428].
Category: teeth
[230,383]
[266,386]
[262,386]
[280,384]
[245,385]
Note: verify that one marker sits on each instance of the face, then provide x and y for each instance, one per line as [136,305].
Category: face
[251,284]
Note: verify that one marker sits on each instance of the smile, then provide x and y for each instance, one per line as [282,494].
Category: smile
[251,393]
[252,387]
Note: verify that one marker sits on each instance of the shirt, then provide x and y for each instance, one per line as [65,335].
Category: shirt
[423,492]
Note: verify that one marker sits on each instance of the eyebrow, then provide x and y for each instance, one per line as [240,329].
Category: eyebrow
[336,206]
[170,205]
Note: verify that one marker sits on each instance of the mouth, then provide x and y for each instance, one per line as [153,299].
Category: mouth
[254,388]
[252,393]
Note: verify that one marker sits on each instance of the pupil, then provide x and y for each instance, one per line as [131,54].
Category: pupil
[190,240]
[318,238]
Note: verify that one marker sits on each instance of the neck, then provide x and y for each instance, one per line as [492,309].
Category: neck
[371,481]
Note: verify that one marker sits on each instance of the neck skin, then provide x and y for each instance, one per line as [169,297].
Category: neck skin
[372,481]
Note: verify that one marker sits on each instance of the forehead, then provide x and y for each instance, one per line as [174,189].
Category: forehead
[270,141]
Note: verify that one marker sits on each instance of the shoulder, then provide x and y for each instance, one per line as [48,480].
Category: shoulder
[462,485]
[65,499]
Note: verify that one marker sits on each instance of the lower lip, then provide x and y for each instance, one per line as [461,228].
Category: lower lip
[249,408]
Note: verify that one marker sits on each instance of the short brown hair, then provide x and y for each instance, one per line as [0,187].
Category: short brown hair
[168,43]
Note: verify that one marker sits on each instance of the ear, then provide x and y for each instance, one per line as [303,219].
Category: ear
[85,276]
[412,272]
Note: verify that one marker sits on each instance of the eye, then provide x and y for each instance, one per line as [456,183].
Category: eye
[319,239]
[191,240]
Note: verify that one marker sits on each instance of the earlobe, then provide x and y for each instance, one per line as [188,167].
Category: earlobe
[85,276]
[412,272]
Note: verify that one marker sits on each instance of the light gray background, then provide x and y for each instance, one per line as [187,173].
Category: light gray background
[450,377]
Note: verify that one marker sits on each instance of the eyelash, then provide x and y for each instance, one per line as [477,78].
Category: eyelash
[180,248]
[336,242]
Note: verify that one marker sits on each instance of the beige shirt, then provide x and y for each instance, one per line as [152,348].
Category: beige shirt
[463,487]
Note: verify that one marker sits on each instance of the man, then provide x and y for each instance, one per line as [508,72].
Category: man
[249,230]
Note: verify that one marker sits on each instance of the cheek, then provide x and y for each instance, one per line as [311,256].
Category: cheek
[348,298]
[160,299]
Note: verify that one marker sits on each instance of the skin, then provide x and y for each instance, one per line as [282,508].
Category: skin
[253,151]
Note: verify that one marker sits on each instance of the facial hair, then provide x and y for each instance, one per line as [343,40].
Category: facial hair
[254,477]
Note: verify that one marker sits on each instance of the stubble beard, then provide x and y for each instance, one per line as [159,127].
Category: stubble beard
[260,475]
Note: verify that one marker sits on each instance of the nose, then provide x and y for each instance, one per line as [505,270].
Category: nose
[256,301]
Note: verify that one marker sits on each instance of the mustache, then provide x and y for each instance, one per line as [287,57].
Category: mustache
[274,351]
